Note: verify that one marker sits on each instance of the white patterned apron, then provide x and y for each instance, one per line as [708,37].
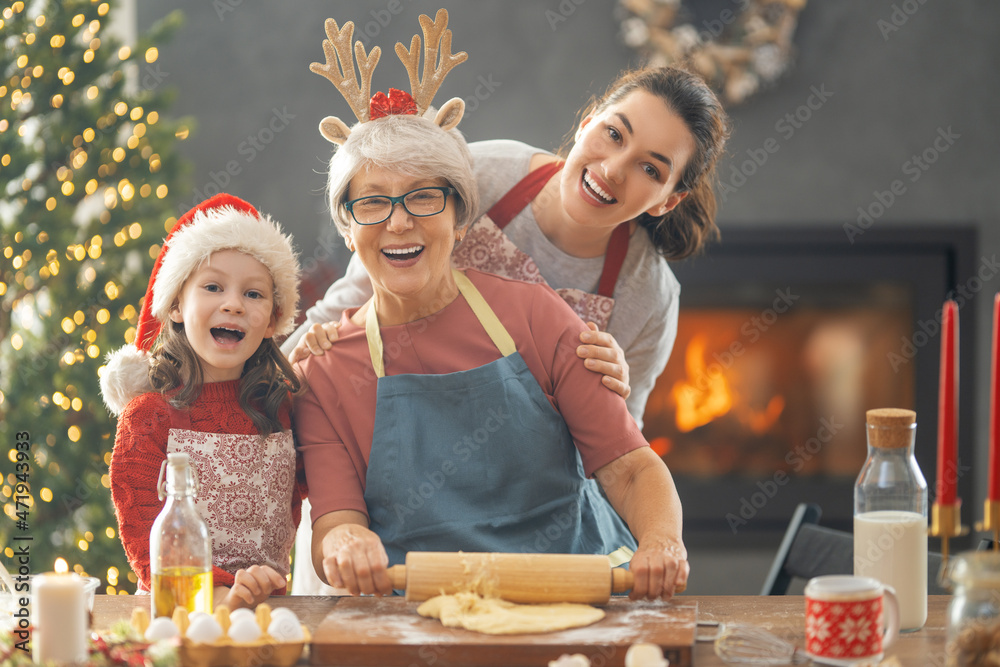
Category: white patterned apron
[488,249]
[244,493]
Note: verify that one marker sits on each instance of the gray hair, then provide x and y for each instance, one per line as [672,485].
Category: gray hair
[411,145]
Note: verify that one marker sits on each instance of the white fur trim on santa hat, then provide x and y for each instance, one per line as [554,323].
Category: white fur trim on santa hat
[226,228]
[125,376]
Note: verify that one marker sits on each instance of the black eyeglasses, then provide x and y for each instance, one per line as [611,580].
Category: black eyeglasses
[420,203]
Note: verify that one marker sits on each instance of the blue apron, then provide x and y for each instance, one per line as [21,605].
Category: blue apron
[479,460]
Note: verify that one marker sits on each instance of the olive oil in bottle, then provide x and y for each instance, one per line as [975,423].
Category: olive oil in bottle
[186,587]
[180,546]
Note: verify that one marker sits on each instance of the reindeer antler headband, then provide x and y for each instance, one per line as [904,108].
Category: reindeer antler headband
[339,69]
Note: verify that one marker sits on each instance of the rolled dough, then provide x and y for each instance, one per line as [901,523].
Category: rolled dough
[493,616]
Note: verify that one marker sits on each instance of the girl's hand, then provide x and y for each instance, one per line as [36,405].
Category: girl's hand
[354,558]
[252,586]
[317,340]
[659,570]
[602,354]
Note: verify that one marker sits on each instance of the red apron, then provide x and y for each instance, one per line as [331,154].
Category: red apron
[488,249]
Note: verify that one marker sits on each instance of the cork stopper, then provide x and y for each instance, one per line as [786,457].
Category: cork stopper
[890,428]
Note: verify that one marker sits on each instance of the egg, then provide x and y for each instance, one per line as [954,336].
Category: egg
[242,612]
[567,660]
[645,655]
[196,614]
[204,629]
[285,628]
[244,630]
[161,628]
[283,611]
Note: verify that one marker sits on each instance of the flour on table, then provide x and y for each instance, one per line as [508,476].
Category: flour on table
[493,616]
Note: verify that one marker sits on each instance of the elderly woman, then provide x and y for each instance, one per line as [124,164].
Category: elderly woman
[452,413]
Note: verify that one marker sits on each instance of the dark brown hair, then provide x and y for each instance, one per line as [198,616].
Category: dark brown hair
[267,380]
[685,230]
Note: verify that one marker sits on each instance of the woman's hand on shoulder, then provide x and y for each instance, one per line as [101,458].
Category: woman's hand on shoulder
[252,586]
[354,559]
[659,569]
[316,341]
[602,354]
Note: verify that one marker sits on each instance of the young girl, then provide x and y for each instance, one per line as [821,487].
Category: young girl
[205,377]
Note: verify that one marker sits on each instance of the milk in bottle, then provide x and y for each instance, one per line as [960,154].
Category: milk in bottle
[890,514]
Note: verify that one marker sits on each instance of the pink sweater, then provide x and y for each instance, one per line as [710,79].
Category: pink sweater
[335,417]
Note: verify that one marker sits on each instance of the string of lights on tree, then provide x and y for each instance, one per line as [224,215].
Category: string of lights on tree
[91,182]
[739,51]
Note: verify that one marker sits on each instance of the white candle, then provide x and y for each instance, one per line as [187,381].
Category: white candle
[59,617]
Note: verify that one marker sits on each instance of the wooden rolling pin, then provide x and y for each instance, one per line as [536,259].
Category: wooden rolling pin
[522,578]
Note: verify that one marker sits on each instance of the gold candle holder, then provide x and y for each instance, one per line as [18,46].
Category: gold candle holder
[946,523]
[991,521]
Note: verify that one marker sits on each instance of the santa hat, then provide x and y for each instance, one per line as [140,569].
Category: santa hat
[223,222]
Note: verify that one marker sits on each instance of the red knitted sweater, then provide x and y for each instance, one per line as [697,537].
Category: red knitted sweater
[140,448]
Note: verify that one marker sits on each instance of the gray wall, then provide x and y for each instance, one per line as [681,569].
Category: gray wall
[241,66]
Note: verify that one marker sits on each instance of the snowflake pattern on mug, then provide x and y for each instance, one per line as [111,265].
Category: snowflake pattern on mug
[818,628]
[486,248]
[844,630]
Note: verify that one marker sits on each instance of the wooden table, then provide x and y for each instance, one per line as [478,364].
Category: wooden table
[783,615]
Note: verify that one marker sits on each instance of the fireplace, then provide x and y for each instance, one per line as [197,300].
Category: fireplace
[786,337]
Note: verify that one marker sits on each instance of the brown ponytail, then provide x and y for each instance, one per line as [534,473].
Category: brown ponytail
[686,229]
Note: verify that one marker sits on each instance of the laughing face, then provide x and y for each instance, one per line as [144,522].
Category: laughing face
[627,160]
[227,309]
[408,258]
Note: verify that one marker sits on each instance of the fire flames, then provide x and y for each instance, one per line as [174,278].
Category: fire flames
[706,394]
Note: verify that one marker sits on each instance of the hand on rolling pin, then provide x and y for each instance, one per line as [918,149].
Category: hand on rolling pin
[659,570]
[353,558]
[642,491]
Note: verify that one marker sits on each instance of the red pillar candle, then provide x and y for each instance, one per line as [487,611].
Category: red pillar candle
[994,485]
[947,464]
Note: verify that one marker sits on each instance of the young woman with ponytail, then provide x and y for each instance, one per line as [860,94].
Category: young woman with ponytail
[598,224]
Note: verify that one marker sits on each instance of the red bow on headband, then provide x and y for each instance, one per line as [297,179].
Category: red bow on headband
[397,103]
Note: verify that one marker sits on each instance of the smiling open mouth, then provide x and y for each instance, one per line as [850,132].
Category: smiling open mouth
[226,335]
[403,253]
[595,189]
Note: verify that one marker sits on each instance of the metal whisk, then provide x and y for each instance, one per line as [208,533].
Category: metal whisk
[743,644]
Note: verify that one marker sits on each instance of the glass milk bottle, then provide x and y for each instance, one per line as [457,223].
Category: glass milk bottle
[180,546]
[890,514]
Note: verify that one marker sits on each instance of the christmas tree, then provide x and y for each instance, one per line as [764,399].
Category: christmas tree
[91,183]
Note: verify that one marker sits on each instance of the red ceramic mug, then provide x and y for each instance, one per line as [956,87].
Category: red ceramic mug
[849,619]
